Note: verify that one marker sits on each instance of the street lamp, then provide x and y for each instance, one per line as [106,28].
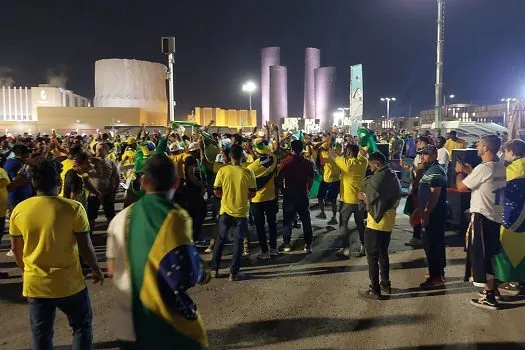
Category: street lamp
[450,97]
[439,63]
[250,88]
[507,113]
[388,99]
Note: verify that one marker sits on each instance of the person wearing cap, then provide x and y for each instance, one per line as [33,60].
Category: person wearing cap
[178,156]
[129,154]
[416,171]
[194,189]
[381,195]
[432,198]
[265,204]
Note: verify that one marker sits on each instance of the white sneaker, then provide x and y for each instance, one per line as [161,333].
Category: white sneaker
[274,252]
[264,256]
[10,253]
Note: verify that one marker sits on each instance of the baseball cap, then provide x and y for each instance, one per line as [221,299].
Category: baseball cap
[260,146]
[429,149]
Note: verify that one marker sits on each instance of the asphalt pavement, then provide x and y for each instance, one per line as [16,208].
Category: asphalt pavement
[299,301]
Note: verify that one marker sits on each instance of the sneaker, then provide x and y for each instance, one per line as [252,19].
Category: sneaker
[307,249]
[483,293]
[386,287]
[510,289]
[264,256]
[236,277]
[246,249]
[333,221]
[321,216]
[274,252]
[432,283]
[414,242]
[361,252]
[344,252]
[485,303]
[201,244]
[10,253]
[214,273]
[369,294]
[285,247]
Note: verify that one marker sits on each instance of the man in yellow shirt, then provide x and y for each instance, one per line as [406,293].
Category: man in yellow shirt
[454,142]
[329,187]
[353,171]
[382,195]
[47,234]
[235,185]
[265,204]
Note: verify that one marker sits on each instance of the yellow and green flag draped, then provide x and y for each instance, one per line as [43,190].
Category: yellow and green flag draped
[164,264]
[510,262]
[366,140]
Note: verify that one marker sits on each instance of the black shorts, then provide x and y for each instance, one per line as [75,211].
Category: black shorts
[483,243]
[328,191]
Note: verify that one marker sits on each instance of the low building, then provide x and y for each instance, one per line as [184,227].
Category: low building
[231,118]
[44,108]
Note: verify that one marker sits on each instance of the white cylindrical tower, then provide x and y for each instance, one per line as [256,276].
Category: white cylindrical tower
[131,83]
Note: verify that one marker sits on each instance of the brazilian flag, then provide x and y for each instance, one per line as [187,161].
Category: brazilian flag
[510,262]
[164,264]
[366,140]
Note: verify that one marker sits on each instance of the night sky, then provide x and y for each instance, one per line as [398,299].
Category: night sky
[219,42]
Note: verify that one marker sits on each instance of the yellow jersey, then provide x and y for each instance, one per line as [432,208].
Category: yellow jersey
[235,182]
[331,172]
[4,181]
[49,225]
[458,144]
[353,172]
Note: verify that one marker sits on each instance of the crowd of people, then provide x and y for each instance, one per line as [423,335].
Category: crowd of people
[53,186]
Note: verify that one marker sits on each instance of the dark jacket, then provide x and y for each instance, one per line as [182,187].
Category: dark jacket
[383,190]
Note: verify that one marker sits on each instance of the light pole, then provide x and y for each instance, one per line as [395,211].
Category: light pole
[250,88]
[507,113]
[387,100]
[439,64]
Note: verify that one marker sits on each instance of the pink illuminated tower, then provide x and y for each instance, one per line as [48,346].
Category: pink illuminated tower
[270,56]
[278,93]
[312,61]
[324,96]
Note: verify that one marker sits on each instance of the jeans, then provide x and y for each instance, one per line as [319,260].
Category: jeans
[94,204]
[376,246]
[239,227]
[345,212]
[434,243]
[291,207]
[268,209]
[77,308]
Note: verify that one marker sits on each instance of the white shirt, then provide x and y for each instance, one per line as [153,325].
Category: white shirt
[443,158]
[487,182]
[116,249]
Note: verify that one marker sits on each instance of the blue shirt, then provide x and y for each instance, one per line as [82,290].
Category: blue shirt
[19,194]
